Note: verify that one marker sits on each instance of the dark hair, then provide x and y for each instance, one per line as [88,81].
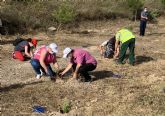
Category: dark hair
[72,51]
[29,39]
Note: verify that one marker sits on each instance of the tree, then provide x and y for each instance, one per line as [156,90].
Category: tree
[64,13]
[134,6]
[163,3]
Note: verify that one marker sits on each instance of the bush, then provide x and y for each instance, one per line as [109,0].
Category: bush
[134,6]
[163,3]
[64,13]
[32,14]
[153,15]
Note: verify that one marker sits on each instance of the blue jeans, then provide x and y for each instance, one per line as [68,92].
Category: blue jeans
[37,67]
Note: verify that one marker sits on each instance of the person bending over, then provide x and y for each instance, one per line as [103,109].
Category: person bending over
[43,57]
[81,62]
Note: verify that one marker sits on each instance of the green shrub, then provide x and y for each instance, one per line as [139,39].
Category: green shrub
[163,3]
[134,6]
[153,15]
[66,107]
[64,13]
[32,14]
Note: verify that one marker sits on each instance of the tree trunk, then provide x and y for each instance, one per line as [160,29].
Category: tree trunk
[135,15]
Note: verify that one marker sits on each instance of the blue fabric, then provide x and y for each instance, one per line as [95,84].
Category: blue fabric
[39,109]
[37,66]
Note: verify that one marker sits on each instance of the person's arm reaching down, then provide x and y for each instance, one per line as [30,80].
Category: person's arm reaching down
[66,69]
[26,52]
[76,71]
[42,58]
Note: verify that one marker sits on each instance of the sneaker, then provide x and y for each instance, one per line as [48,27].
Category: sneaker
[41,72]
[85,80]
[119,63]
[38,76]
[88,80]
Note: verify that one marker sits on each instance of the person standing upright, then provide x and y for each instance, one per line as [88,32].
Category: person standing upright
[143,21]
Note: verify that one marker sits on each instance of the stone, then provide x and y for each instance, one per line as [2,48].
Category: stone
[52,29]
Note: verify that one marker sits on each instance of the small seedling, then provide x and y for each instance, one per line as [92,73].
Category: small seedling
[66,107]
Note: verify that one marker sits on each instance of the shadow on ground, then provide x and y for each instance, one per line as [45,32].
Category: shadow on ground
[143,59]
[156,34]
[16,86]
[102,74]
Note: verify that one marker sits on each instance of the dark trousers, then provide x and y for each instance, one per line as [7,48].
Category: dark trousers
[142,27]
[84,69]
[37,67]
[131,45]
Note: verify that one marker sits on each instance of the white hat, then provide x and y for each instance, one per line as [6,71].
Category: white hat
[54,47]
[66,52]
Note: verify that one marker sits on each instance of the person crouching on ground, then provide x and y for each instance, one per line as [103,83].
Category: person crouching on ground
[43,57]
[107,49]
[24,49]
[127,39]
[81,62]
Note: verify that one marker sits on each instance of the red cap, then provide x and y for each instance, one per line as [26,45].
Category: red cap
[34,42]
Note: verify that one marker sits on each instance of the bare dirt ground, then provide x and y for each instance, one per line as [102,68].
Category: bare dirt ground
[140,91]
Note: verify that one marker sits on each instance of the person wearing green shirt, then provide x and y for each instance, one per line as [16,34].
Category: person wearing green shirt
[127,39]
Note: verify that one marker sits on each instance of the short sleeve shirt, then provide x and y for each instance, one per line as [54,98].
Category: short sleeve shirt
[124,35]
[21,46]
[109,43]
[81,56]
[50,58]
[144,14]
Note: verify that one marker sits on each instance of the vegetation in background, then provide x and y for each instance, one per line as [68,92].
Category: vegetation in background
[134,6]
[163,3]
[64,13]
[153,15]
[32,14]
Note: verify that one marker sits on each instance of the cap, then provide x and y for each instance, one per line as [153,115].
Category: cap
[34,42]
[66,52]
[54,47]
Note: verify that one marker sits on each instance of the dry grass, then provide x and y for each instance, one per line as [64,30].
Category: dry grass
[140,91]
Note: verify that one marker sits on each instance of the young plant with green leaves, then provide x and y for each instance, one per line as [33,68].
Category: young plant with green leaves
[66,107]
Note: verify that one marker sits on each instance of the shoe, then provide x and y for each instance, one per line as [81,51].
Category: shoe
[88,80]
[53,79]
[119,63]
[132,64]
[38,76]
[41,72]
[13,55]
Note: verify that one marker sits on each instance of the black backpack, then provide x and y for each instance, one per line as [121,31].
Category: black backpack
[17,41]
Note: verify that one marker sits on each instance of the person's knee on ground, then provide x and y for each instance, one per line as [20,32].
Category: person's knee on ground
[18,55]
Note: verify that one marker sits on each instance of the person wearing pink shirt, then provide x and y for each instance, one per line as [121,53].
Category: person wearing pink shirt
[43,57]
[81,61]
